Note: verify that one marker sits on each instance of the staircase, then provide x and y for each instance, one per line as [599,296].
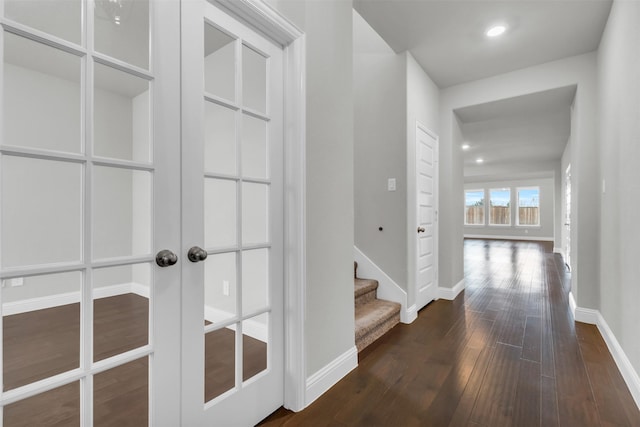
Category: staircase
[374,317]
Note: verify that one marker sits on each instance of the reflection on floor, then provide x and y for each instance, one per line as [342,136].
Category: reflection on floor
[43,343]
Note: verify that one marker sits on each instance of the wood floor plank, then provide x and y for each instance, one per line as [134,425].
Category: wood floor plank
[495,403]
[527,400]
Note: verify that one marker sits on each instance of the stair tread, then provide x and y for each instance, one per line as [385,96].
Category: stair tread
[362,286]
[373,313]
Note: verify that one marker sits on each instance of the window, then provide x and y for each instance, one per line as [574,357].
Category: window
[474,207]
[528,206]
[500,206]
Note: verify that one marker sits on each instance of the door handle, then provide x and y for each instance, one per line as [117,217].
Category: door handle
[196,254]
[166,258]
[421,230]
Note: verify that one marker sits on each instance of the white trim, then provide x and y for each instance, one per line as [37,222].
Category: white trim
[57,300]
[451,293]
[594,317]
[261,16]
[409,315]
[629,374]
[295,233]
[524,238]
[318,383]
[388,289]
[557,250]
[572,304]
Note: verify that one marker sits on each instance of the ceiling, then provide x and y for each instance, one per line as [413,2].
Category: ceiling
[447,38]
[517,137]
[522,137]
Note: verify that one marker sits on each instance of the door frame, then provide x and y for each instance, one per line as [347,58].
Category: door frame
[262,17]
[412,217]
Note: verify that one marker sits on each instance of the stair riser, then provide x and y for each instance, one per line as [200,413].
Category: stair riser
[366,297]
[376,333]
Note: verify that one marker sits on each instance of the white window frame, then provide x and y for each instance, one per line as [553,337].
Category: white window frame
[484,207]
[530,187]
[510,206]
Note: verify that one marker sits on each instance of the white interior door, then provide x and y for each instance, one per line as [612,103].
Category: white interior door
[83,163]
[232,301]
[427,199]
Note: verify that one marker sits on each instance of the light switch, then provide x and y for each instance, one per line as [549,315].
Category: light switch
[225,288]
[391,184]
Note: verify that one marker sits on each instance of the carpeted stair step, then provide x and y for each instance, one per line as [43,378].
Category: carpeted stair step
[365,290]
[374,319]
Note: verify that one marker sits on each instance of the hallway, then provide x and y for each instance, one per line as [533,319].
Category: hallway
[506,352]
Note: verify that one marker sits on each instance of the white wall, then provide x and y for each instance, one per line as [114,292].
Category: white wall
[547,204]
[619,151]
[380,134]
[579,70]
[329,183]
[392,92]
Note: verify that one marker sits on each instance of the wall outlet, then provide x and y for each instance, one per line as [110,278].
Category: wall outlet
[391,184]
[225,288]
[526,231]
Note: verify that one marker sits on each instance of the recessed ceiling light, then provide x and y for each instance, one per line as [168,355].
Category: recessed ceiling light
[465,146]
[479,160]
[496,30]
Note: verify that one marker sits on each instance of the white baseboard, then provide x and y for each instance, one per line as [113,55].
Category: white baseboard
[525,238]
[50,301]
[450,293]
[40,303]
[594,317]
[327,377]
[629,374]
[572,304]
[387,288]
[411,314]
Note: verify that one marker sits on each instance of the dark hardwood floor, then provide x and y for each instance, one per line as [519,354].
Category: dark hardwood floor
[506,352]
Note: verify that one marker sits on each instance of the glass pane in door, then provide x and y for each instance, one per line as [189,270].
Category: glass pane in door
[219,362]
[121,115]
[255,213]
[120,309]
[220,209]
[42,97]
[121,395]
[40,327]
[255,280]
[121,211]
[219,63]
[38,411]
[41,211]
[255,340]
[220,278]
[254,148]
[254,80]
[122,30]
[58,18]
[220,140]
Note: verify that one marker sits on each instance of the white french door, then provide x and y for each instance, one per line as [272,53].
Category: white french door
[142,268]
[232,161]
[85,157]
